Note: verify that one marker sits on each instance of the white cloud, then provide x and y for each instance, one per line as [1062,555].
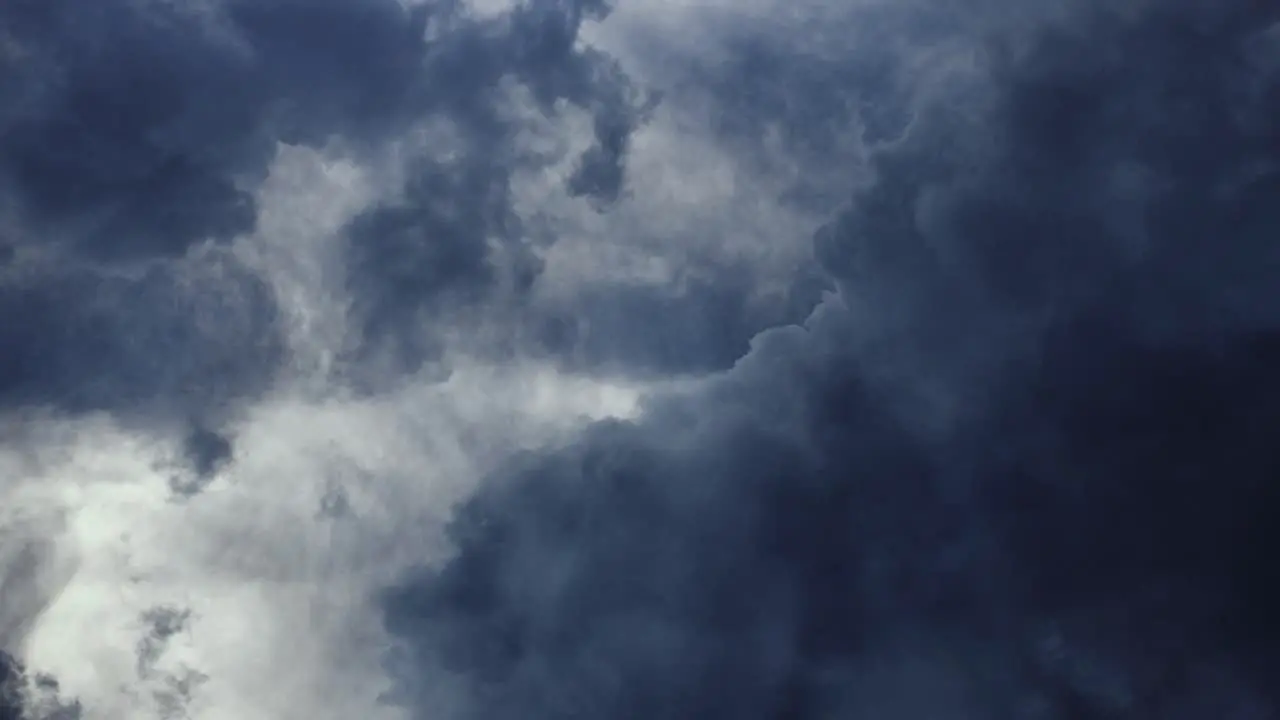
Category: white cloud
[305,201]
[274,569]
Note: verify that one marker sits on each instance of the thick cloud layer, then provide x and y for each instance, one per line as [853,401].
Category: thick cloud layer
[134,134]
[543,359]
[1021,468]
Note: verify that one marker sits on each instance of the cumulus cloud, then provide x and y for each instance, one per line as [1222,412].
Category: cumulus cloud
[448,359]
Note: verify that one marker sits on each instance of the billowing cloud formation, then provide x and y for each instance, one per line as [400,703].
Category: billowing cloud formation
[1021,467]
[551,359]
[136,133]
[264,265]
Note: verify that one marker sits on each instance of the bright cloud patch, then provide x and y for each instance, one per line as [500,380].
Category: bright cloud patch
[246,592]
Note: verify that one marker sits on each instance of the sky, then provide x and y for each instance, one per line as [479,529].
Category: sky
[662,359]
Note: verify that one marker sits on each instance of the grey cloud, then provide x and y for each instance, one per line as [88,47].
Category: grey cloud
[422,258]
[132,137]
[601,169]
[10,706]
[140,122]
[133,132]
[108,129]
[654,332]
[23,697]
[783,106]
[1021,468]
[1076,254]
[429,254]
[206,451]
[81,339]
[1118,160]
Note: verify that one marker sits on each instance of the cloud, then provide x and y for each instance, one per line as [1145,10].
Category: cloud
[203,208]
[532,359]
[1016,468]
[178,335]
[139,134]
[258,586]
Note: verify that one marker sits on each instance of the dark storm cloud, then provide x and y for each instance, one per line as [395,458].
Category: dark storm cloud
[129,125]
[108,110]
[84,339]
[415,260]
[23,697]
[131,131]
[601,169]
[10,702]
[1081,253]
[205,452]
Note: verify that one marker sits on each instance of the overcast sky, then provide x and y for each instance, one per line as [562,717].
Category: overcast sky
[648,359]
